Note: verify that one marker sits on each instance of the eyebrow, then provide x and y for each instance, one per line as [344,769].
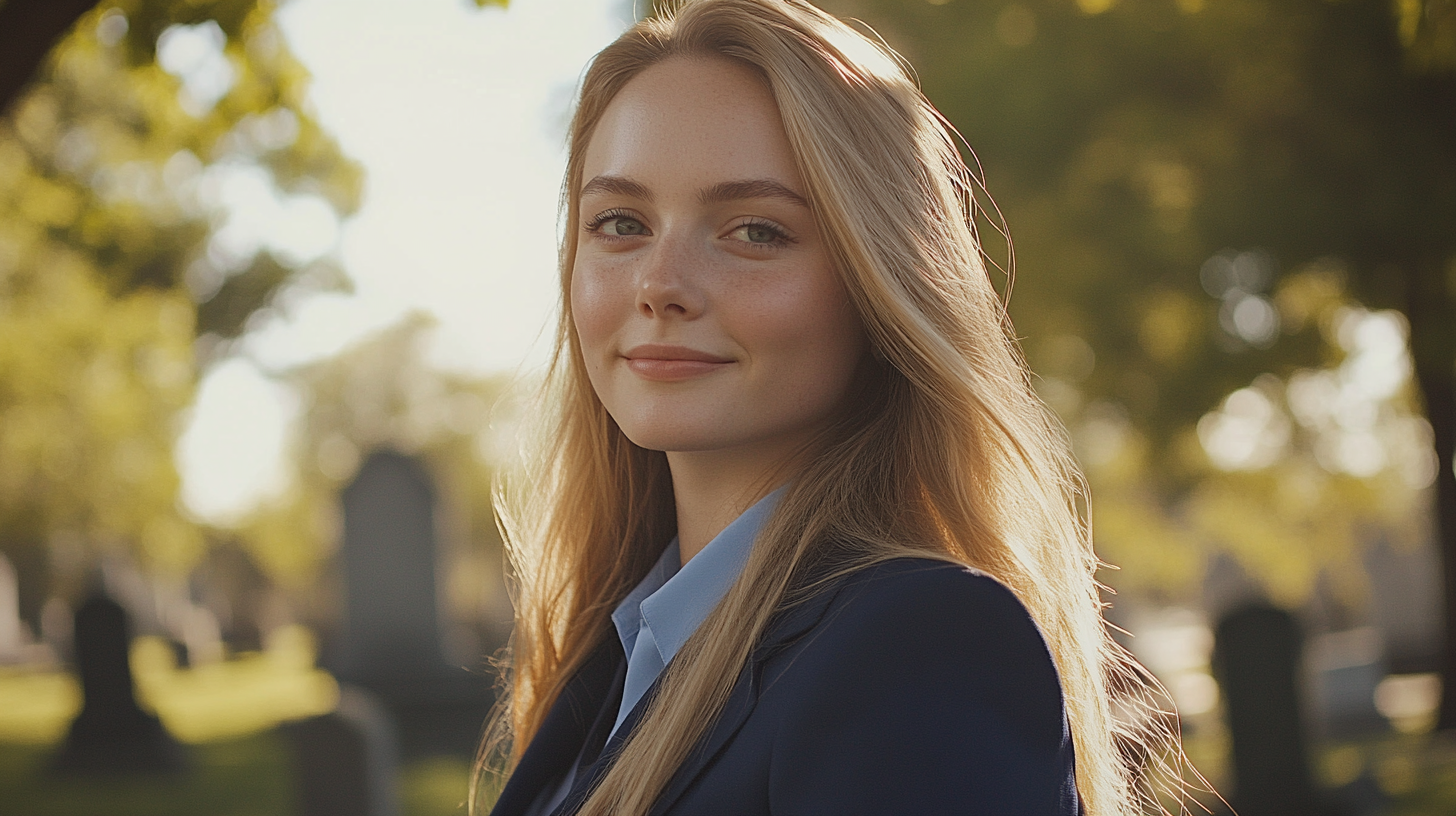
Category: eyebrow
[756,188]
[608,185]
[719,193]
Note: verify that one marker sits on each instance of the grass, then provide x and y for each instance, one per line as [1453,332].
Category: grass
[225,712]
[1414,771]
[245,776]
[248,776]
[245,695]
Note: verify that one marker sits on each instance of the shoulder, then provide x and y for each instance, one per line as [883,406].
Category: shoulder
[944,604]
[925,628]
[925,686]
[910,586]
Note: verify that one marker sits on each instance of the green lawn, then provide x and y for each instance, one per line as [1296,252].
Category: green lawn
[1414,772]
[246,776]
[249,776]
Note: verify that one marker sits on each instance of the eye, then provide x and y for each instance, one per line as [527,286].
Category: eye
[616,224]
[761,233]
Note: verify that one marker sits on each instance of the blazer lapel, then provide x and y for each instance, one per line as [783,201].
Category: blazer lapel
[794,623]
[567,726]
[791,625]
[596,763]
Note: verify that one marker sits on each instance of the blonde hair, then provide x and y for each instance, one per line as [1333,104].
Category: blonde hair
[949,455]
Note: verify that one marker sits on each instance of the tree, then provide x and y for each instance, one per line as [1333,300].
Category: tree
[1202,195]
[30,28]
[124,267]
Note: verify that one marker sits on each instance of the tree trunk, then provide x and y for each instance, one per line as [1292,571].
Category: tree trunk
[1440,393]
[28,31]
[1431,309]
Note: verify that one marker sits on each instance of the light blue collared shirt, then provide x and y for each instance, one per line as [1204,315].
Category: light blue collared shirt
[665,609]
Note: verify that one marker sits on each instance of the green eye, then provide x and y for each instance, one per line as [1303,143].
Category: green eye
[622,225]
[759,234]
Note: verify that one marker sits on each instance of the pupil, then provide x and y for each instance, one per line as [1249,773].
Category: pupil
[759,235]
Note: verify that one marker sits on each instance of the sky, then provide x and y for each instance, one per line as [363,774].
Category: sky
[458,116]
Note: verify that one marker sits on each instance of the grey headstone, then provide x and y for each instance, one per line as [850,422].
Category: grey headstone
[1405,594]
[1345,667]
[11,637]
[391,629]
[390,638]
[346,762]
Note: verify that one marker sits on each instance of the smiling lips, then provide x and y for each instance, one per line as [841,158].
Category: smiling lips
[672,363]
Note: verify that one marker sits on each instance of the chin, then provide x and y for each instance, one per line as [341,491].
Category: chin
[671,439]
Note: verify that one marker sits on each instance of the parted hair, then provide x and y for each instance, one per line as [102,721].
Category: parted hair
[946,451]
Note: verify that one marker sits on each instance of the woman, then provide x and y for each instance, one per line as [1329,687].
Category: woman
[802,540]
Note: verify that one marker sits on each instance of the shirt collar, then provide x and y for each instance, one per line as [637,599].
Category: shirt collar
[673,602]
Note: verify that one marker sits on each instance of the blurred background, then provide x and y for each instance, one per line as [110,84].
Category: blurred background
[275,279]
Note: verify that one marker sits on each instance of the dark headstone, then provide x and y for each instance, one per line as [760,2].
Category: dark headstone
[389,640]
[1257,659]
[112,733]
[345,762]
[33,579]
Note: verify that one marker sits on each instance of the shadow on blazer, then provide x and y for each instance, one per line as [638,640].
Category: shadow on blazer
[910,687]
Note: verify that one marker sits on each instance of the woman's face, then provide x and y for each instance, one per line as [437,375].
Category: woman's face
[708,311]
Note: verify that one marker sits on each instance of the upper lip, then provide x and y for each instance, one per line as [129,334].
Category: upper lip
[659,351]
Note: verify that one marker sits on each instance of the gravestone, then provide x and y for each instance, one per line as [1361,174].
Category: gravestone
[112,734]
[12,638]
[390,637]
[1405,595]
[345,762]
[1346,667]
[1257,660]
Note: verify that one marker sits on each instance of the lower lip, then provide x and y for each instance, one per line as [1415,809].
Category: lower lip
[671,370]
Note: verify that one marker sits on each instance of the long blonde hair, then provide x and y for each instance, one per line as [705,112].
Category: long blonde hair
[948,454]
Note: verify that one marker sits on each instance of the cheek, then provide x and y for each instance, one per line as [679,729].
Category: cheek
[596,308]
[810,336]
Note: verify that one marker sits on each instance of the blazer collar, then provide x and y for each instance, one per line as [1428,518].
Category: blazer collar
[571,725]
[790,626]
[595,692]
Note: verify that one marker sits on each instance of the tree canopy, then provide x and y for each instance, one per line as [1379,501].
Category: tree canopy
[126,262]
[1236,268]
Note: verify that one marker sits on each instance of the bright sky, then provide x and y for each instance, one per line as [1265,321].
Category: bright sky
[458,115]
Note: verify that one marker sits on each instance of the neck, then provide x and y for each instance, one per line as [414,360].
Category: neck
[712,488]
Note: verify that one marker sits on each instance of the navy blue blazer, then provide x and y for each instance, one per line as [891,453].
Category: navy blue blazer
[911,687]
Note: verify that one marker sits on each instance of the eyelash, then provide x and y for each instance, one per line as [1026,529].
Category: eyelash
[780,239]
[595,224]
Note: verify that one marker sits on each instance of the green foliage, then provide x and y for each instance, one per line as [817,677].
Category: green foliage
[110,169]
[1198,193]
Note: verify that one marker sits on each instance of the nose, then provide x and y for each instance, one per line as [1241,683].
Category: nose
[668,277]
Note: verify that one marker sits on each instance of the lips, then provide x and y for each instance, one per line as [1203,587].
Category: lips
[664,363]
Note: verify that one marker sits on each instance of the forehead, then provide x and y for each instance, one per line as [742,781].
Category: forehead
[692,122]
